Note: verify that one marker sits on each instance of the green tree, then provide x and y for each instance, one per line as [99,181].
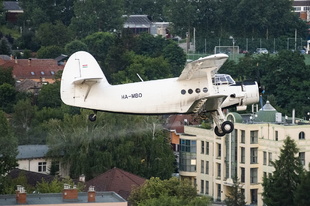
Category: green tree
[115,141]
[99,44]
[8,185]
[301,195]
[176,201]
[7,97]
[6,76]
[49,52]
[155,188]
[51,34]
[22,117]
[235,196]
[28,40]
[8,146]
[280,188]
[94,16]
[49,96]
[75,46]
[5,47]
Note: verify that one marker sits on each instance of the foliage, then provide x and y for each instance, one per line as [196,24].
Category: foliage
[49,52]
[8,185]
[22,117]
[75,46]
[301,195]
[155,188]
[134,143]
[49,96]
[235,196]
[96,16]
[8,146]
[280,188]
[57,185]
[176,201]
[6,76]
[54,34]
[27,54]
[5,47]
[28,40]
[7,97]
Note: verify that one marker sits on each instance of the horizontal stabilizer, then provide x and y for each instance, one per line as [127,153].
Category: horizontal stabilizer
[83,80]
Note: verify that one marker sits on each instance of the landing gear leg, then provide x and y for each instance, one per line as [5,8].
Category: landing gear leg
[92,117]
[222,127]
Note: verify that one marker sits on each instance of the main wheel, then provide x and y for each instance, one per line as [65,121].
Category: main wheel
[227,127]
[92,117]
[218,133]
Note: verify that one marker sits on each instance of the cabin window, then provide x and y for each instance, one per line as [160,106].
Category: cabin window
[197,90]
[205,90]
[190,91]
[183,91]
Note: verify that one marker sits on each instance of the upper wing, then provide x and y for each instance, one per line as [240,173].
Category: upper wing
[197,68]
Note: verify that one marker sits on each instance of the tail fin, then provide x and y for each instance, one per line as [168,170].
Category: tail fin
[81,69]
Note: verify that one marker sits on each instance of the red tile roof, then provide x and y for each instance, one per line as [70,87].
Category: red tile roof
[116,180]
[177,122]
[33,69]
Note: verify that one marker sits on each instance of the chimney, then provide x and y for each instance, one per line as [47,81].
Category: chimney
[15,60]
[12,58]
[68,193]
[91,194]
[29,62]
[21,195]
[65,62]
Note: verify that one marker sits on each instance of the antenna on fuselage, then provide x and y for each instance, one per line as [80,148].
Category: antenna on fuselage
[140,77]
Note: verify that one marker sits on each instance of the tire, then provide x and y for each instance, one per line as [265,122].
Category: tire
[227,127]
[218,133]
[92,117]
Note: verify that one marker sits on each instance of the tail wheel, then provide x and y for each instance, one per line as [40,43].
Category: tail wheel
[227,127]
[218,133]
[92,117]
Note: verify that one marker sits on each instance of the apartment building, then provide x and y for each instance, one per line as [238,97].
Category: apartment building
[211,162]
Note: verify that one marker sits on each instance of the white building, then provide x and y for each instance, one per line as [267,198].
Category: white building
[211,162]
[33,158]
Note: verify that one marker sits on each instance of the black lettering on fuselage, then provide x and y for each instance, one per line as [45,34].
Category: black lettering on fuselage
[132,96]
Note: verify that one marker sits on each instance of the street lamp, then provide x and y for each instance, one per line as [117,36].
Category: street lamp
[233,40]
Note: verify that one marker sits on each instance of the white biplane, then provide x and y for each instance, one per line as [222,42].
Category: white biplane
[199,89]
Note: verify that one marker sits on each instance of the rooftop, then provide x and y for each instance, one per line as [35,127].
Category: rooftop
[31,151]
[57,198]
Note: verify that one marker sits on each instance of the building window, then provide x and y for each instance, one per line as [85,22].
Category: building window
[253,155]
[219,170]
[42,167]
[254,196]
[242,155]
[202,187]
[187,155]
[202,166]
[276,134]
[202,147]
[242,136]
[207,148]
[207,167]
[219,151]
[219,191]
[302,157]
[195,183]
[254,137]
[253,176]
[269,158]
[297,8]
[207,187]
[265,158]
[242,174]
[301,135]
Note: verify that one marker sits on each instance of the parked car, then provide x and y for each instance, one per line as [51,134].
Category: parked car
[261,51]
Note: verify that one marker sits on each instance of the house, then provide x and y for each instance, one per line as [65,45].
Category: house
[12,9]
[210,162]
[116,180]
[69,196]
[138,23]
[38,70]
[33,158]
[302,9]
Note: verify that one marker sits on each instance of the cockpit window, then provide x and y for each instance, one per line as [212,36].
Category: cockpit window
[222,79]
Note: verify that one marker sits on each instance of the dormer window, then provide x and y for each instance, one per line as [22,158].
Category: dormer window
[42,73]
[32,73]
[52,72]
